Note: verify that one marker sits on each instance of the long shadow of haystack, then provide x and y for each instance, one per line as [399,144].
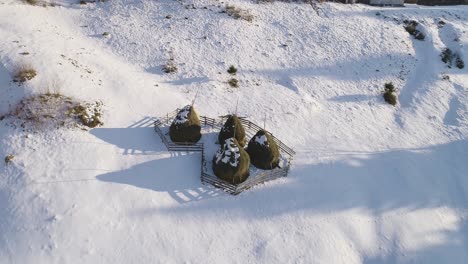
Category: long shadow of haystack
[179,176]
[136,139]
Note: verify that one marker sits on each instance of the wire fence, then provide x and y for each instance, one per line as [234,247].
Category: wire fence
[258,177]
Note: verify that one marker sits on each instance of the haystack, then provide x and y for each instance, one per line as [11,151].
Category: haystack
[231,162]
[263,151]
[186,127]
[232,128]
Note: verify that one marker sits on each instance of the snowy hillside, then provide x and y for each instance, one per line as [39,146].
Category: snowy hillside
[370,183]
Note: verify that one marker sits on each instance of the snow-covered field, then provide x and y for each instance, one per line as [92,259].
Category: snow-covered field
[371,183]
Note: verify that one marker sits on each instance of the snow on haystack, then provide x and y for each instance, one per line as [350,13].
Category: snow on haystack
[53,110]
[186,127]
[230,154]
[232,128]
[182,116]
[262,140]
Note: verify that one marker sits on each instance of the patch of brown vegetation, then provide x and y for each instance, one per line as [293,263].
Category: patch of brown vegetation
[54,110]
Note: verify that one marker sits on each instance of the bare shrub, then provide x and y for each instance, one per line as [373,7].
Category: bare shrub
[238,13]
[31,2]
[87,114]
[452,58]
[447,56]
[9,159]
[24,73]
[233,82]
[54,110]
[412,28]
[170,66]
[459,62]
[389,94]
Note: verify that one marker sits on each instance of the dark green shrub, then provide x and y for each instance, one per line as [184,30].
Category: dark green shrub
[420,36]
[411,28]
[447,56]
[232,70]
[233,82]
[459,63]
[31,2]
[9,159]
[389,96]
[389,87]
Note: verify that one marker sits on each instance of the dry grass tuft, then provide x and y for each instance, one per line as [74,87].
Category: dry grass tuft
[238,13]
[170,66]
[31,2]
[24,73]
[233,82]
[9,159]
[54,110]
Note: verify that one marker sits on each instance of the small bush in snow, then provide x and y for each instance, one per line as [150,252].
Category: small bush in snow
[170,66]
[420,36]
[31,2]
[449,57]
[232,70]
[233,82]
[459,63]
[389,87]
[24,73]
[9,159]
[411,28]
[441,23]
[238,13]
[53,110]
[87,115]
[389,95]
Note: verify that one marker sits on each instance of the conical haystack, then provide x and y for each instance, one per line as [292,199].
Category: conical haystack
[232,128]
[186,127]
[263,151]
[231,162]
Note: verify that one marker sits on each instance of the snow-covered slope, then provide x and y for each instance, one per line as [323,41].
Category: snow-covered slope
[370,183]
